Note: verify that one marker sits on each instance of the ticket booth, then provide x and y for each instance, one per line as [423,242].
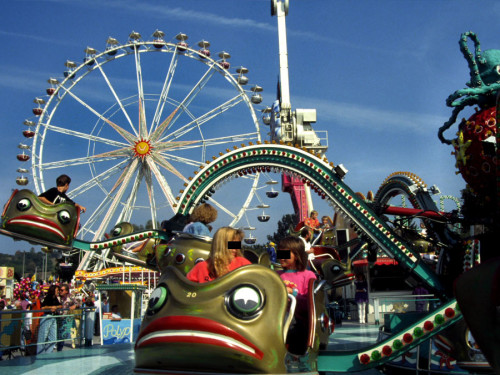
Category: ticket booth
[123,325]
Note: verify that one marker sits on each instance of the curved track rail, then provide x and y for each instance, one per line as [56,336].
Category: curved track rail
[322,178]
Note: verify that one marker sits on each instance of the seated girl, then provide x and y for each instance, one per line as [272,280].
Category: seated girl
[296,278]
[223,258]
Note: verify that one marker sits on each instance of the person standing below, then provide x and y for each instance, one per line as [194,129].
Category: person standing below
[47,332]
[421,299]
[361,296]
[89,319]
[223,258]
[58,195]
[271,250]
[115,314]
[105,304]
[67,302]
[296,279]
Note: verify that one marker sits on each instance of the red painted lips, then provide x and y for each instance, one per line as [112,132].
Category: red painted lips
[195,330]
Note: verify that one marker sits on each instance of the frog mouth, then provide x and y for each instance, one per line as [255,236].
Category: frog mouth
[195,330]
[37,222]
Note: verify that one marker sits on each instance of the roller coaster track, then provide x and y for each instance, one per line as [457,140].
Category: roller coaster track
[409,183]
[394,346]
[323,179]
[416,189]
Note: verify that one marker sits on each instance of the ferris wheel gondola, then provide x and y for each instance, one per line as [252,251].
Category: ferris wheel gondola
[272,193]
[250,240]
[264,217]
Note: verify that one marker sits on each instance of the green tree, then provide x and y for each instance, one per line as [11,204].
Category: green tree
[284,225]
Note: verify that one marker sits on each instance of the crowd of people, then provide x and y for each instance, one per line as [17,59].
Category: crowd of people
[52,315]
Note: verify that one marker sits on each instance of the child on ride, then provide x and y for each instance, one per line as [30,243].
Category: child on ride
[296,278]
[295,275]
[223,258]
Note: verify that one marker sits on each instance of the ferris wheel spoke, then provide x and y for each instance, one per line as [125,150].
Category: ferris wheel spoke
[128,209]
[95,219]
[111,88]
[197,88]
[207,142]
[163,96]
[117,197]
[165,187]
[175,145]
[194,163]
[75,192]
[125,134]
[88,137]
[152,200]
[196,123]
[87,229]
[140,90]
[221,207]
[74,162]
[169,167]
[157,133]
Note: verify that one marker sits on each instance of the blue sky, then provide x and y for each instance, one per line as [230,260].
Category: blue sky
[378,73]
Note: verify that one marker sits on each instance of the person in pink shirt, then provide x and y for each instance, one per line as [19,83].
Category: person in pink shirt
[225,256]
[293,258]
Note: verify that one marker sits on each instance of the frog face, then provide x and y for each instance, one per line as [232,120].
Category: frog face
[328,264]
[121,229]
[336,273]
[25,214]
[232,323]
[183,252]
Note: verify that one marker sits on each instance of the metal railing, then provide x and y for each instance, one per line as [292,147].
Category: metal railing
[402,303]
[32,332]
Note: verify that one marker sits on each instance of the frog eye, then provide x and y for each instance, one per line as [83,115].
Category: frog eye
[24,204]
[244,302]
[157,299]
[64,216]
[335,268]
[497,68]
[116,231]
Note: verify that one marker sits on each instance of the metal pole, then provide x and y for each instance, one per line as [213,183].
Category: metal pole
[132,313]
[100,317]
[283,55]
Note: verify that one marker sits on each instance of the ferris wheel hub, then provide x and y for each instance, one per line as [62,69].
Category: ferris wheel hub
[142,148]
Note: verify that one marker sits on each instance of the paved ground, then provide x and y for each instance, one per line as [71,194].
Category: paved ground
[119,359]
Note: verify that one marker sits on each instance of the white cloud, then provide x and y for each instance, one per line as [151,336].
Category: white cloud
[375,119]
[36,38]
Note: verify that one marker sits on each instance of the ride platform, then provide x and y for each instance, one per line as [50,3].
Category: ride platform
[119,359]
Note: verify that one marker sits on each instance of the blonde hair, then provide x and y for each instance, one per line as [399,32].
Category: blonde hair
[220,255]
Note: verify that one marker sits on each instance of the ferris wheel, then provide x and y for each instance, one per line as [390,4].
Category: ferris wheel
[130,123]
